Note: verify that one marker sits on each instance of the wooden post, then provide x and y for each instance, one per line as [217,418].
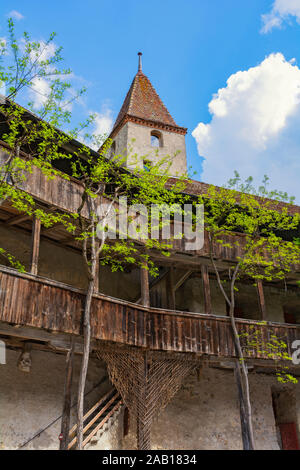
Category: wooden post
[65,421]
[170,289]
[35,245]
[206,290]
[145,291]
[261,299]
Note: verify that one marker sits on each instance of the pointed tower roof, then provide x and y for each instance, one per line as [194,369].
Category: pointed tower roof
[143,105]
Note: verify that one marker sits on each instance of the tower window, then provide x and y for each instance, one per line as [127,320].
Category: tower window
[156,139]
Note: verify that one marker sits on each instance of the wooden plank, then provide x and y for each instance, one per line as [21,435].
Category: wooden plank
[99,426]
[58,309]
[97,416]
[91,410]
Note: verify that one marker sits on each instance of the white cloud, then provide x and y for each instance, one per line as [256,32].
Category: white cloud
[3,46]
[282,10]
[16,15]
[103,122]
[40,87]
[100,130]
[255,126]
[44,52]
[39,92]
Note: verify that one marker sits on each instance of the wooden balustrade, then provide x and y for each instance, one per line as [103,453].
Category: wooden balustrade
[109,400]
[66,195]
[34,301]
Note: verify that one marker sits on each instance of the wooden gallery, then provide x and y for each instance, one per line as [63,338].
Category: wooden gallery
[161,371]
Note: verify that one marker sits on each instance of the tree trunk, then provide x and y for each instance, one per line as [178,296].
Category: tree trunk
[86,348]
[65,421]
[241,374]
[243,414]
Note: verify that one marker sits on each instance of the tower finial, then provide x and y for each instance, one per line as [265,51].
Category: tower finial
[140,61]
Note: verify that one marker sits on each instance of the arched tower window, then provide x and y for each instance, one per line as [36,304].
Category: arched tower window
[156,139]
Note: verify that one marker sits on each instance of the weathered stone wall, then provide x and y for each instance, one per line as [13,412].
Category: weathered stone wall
[29,402]
[135,140]
[204,415]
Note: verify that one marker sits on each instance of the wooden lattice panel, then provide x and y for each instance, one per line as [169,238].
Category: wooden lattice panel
[146,382]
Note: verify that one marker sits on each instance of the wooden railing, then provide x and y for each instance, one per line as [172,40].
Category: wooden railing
[38,302]
[107,406]
[66,195]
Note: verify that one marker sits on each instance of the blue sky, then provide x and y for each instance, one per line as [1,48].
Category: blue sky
[190,51]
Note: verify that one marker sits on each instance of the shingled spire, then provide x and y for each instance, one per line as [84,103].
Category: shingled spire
[142,103]
[145,131]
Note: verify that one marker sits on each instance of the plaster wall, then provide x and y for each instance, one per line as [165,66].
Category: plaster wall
[29,402]
[204,415]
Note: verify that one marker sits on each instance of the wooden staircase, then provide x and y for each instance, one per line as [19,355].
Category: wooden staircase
[98,419]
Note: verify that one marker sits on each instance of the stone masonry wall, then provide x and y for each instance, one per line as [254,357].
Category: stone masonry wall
[135,140]
[204,415]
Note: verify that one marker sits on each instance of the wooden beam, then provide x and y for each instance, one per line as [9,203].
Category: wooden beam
[182,279]
[145,291]
[153,283]
[170,290]
[35,245]
[59,342]
[17,219]
[65,420]
[261,299]
[206,290]
[47,230]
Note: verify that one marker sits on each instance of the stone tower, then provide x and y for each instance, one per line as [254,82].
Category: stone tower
[144,129]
